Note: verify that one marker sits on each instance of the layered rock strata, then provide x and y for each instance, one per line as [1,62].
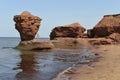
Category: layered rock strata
[108,25]
[35,45]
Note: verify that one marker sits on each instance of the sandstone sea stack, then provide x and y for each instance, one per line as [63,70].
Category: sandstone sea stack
[108,25]
[74,30]
[27,25]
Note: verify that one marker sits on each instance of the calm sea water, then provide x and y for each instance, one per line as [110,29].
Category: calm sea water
[32,65]
[12,41]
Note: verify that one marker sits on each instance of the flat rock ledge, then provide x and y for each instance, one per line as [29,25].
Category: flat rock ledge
[63,43]
[58,43]
[35,45]
[67,43]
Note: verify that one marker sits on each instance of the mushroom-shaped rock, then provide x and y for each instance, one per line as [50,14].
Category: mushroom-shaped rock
[27,25]
[108,25]
[74,30]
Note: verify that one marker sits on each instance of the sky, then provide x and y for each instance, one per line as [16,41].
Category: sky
[55,13]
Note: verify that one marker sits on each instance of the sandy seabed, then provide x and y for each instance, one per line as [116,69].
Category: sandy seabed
[108,66]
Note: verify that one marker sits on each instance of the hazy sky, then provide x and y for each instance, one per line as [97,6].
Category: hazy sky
[55,12]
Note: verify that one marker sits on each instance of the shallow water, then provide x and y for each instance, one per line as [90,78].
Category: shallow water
[35,65]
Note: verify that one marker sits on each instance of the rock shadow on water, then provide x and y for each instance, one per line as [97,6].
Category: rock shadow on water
[28,67]
[36,65]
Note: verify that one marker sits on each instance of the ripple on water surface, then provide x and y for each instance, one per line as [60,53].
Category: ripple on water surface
[35,65]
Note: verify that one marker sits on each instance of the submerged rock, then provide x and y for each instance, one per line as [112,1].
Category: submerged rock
[74,30]
[27,25]
[108,25]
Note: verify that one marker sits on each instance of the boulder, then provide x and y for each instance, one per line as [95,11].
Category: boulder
[108,25]
[90,33]
[35,45]
[27,25]
[74,30]
[115,37]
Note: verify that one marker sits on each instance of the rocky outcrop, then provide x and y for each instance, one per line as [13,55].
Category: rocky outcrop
[27,25]
[108,25]
[35,45]
[74,30]
[90,33]
[100,41]
[115,37]
[68,43]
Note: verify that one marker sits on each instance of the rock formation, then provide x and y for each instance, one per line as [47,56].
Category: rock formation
[74,30]
[27,25]
[68,43]
[90,33]
[115,37]
[35,45]
[108,25]
[100,41]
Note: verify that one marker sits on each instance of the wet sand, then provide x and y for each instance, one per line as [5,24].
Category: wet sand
[107,68]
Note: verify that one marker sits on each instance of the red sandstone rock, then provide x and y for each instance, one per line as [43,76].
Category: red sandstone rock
[90,33]
[108,25]
[67,43]
[100,41]
[27,25]
[35,45]
[115,37]
[74,30]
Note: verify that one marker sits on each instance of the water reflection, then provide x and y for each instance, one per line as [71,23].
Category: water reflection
[37,65]
[28,67]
